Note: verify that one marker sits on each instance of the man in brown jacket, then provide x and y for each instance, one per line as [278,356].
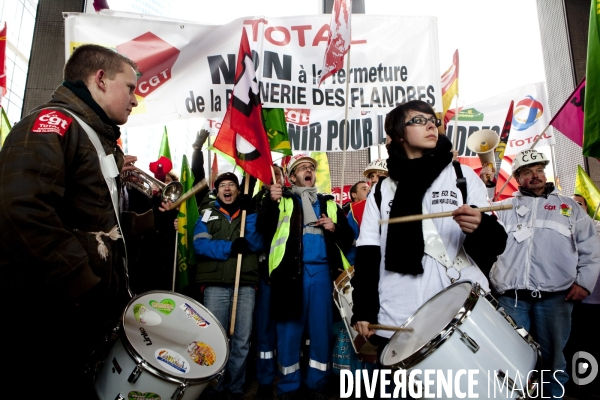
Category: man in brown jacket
[61,252]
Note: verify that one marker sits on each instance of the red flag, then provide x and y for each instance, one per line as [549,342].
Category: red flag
[214,172]
[242,134]
[569,119]
[504,175]
[499,153]
[3,60]
[285,161]
[338,42]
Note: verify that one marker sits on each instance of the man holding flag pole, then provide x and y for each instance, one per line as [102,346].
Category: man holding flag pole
[225,237]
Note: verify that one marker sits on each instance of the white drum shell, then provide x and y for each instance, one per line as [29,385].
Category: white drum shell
[501,347]
[110,383]
[146,339]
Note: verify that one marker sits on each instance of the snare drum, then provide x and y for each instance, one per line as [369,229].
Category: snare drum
[459,329]
[169,347]
[342,297]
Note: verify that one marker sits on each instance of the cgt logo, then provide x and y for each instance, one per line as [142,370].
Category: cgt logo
[297,116]
[549,207]
[526,114]
[584,368]
[155,59]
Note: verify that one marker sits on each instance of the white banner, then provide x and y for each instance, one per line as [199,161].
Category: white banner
[531,116]
[188,69]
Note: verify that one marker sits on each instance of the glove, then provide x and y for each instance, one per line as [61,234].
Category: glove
[246,203]
[200,139]
[240,246]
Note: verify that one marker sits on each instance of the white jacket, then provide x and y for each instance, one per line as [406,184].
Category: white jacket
[402,294]
[555,245]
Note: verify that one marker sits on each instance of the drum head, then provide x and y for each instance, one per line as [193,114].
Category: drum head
[427,322]
[175,335]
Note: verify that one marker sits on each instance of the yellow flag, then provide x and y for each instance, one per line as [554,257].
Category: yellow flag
[4,126]
[323,176]
[585,187]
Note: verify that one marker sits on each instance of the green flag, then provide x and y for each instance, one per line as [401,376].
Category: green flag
[186,220]
[586,188]
[591,118]
[4,126]
[165,151]
[277,130]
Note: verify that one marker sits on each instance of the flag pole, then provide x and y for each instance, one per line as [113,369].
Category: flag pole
[239,263]
[347,125]
[175,260]
[455,136]
[532,146]
[556,180]
[596,212]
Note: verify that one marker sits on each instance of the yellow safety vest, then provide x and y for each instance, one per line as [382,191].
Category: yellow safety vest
[277,250]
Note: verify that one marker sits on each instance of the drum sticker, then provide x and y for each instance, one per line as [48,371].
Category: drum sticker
[142,396]
[166,306]
[202,354]
[193,314]
[145,316]
[172,361]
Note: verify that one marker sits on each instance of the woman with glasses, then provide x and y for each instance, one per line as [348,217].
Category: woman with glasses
[217,242]
[394,275]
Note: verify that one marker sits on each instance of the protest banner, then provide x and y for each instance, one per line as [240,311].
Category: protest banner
[188,70]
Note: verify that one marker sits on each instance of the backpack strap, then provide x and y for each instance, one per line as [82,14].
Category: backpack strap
[461,181]
[378,191]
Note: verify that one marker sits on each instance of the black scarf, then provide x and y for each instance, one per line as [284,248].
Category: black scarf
[404,243]
[80,90]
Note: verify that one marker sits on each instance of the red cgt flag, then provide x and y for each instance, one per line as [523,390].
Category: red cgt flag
[3,59]
[338,42]
[242,134]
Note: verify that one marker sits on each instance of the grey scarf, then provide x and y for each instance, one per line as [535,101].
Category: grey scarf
[308,195]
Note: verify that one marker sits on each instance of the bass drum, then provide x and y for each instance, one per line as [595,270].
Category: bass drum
[459,330]
[169,347]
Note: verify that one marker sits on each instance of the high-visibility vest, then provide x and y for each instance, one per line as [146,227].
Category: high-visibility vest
[282,232]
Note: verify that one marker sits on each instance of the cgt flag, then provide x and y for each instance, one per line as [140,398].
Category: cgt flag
[569,119]
[242,134]
[338,42]
[449,86]
[186,220]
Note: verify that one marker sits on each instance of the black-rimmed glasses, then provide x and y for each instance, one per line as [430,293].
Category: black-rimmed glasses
[423,121]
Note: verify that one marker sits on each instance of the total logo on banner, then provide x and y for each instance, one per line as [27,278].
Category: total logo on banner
[530,118]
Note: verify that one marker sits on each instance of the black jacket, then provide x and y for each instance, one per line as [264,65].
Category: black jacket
[286,279]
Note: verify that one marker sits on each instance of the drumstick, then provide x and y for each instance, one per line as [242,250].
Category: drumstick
[390,328]
[420,217]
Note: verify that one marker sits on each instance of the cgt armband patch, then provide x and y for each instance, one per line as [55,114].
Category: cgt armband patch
[51,121]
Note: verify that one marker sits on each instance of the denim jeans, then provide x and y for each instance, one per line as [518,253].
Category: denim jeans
[548,318]
[219,301]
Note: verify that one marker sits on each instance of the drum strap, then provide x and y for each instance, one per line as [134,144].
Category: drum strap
[109,172]
[434,245]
